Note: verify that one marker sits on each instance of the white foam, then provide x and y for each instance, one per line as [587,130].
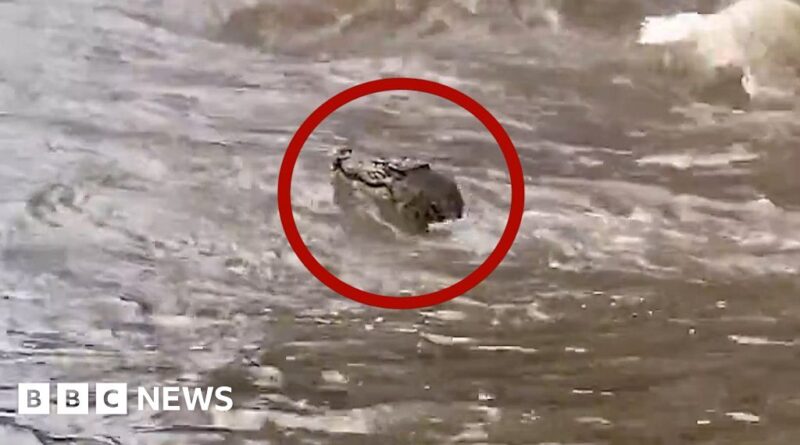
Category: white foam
[762,37]
[670,29]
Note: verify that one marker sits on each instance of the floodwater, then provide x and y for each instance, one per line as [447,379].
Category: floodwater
[651,296]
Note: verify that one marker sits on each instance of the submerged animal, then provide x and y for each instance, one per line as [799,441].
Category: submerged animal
[407,192]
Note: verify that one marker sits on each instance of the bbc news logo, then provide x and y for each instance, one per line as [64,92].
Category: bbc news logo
[112,398]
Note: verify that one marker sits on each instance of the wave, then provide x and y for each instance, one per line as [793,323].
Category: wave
[356,26]
[757,40]
[351,26]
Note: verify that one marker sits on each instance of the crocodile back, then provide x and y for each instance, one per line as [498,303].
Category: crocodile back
[411,187]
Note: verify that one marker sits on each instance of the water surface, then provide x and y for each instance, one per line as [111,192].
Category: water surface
[650,297]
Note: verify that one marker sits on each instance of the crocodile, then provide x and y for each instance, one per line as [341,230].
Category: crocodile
[407,192]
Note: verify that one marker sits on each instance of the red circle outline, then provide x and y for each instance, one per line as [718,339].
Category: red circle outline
[401,302]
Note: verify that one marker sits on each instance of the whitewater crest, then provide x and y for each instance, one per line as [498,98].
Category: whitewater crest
[760,39]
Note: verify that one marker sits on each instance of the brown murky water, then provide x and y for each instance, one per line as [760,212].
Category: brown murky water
[650,297]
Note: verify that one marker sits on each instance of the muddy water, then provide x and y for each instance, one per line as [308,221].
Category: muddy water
[650,297]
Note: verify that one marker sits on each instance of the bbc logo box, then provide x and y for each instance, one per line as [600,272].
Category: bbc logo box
[112,398]
[72,398]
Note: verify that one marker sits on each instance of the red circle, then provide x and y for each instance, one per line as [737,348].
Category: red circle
[401,302]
